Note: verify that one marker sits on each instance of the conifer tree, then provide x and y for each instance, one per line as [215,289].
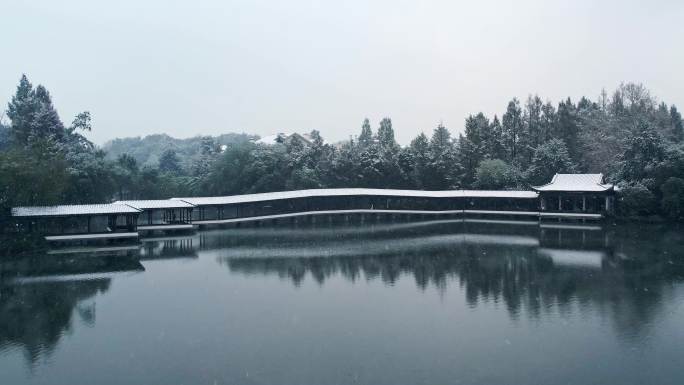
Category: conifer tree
[386,134]
[366,137]
[21,111]
[512,125]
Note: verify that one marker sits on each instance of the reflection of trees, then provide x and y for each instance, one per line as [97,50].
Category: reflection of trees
[39,296]
[626,281]
[35,316]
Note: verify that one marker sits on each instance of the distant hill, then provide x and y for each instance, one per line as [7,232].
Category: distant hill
[147,150]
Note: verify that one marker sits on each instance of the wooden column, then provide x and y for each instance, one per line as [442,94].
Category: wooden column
[584,203]
[560,203]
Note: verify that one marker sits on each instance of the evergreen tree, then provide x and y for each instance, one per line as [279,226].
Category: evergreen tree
[547,123]
[677,131]
[345,166]
[371,167]
[567,128]
[419,161]
[46,121]
[386,134]
[470,148]
[126,177]
[550,158]
[366,137]
[30,176]
[229,174]
[5,138]
[22,110]
[494,146]
[201,166]
[487,136]
[512,125]
[169,162]
[532,129]
[643,153]
[443,167]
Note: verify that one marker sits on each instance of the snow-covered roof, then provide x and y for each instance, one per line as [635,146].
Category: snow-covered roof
[63,210]
[273,139]
[223,200]
[156,204]
[576,183]
[269,139]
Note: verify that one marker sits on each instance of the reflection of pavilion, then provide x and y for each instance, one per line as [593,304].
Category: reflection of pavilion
[575,258]
[576,193]
[169,247]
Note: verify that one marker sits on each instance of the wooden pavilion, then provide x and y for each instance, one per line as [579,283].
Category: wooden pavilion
[162,214]
[79,222]
[577,193]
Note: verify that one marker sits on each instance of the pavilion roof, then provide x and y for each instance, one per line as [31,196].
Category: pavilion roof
[64,210]
[156,204]
[576,183]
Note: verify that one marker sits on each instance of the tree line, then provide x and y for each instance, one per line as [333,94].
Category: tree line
[628,135]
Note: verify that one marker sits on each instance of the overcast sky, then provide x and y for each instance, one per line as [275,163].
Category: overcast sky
[209,67]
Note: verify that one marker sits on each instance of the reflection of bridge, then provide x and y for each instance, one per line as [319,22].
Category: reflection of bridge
[397,238]
[527,268]
[127,219]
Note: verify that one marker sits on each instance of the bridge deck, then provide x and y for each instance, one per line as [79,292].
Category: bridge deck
[545,214]
[78,237]
[326,212]
[186,226]
[413,212]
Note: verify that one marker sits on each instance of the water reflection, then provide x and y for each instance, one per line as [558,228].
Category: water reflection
[167,248]
[40,296]
[532,271]
[626,275]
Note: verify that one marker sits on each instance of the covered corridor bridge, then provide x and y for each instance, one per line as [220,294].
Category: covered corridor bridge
[128,218]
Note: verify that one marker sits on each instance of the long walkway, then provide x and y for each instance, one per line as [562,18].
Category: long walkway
[125,219]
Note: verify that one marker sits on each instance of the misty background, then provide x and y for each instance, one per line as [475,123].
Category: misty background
[211,67]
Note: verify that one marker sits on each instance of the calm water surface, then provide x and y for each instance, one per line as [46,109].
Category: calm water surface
[398,302]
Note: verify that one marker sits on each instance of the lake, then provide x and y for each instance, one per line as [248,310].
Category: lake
[360,302]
